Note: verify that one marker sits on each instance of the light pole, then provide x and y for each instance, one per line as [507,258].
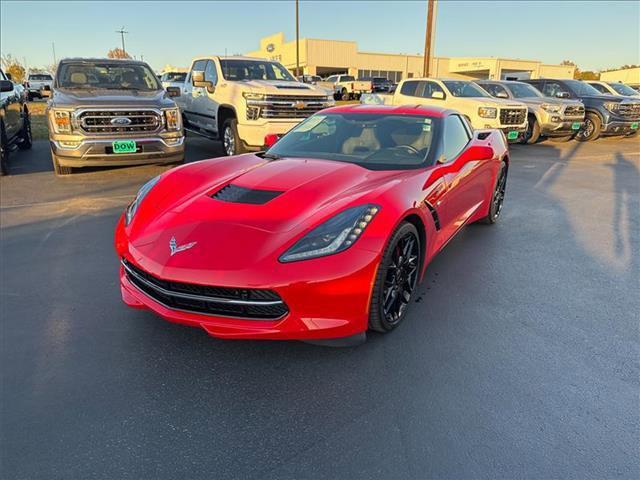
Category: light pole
[122,33]
[429,36]
[297,41]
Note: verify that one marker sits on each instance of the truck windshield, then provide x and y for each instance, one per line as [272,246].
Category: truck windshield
[623,89]
[254,70]
[36,77]
[106,75]
[581,88]
[523,90]
[374,141]
[465,89]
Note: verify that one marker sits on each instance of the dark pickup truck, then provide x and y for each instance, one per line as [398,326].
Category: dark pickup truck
[605,114]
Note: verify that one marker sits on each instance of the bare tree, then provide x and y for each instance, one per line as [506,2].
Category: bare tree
[117,53]
[13,67]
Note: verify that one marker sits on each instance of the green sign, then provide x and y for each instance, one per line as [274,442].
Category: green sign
[575,126]
[124,146]
[634,126]
[512,135]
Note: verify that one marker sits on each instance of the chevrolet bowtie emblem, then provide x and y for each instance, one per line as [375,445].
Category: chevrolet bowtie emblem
[299,105]
[173,246]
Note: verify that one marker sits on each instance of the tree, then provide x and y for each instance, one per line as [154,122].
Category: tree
[118,53]
[14,68]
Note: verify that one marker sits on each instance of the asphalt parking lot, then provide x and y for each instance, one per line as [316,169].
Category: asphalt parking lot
[520,358]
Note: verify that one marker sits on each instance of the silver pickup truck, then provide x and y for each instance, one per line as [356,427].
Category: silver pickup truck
[111,112]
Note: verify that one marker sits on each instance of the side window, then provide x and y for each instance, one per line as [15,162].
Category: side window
[494,89]
[2,77]
[599,87]
[551,88]
[347,78]
[409,88]
[332,79]
[456,136]
[430,88]
[210,73]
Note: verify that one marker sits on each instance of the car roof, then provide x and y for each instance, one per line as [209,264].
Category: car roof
[423,110]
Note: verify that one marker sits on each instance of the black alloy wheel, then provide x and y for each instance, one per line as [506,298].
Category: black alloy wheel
[396,280]
[497,199]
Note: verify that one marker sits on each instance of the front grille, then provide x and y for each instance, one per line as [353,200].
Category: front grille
[100,121]
[291,106]
[631,110]
[512,116]
[256,304]
[236,194]
[574,111]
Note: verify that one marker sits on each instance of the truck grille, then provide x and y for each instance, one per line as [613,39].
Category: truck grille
[290,106]
[133,121]
[574,111]
[250,303]
[631,110]
[512,116]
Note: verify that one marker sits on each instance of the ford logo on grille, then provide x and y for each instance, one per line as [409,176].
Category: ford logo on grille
[121,121]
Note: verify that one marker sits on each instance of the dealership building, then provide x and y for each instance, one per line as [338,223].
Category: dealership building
[330,57]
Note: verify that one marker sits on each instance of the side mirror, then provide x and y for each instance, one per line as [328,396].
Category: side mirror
[562,94]
[173,91]
[502,95]
[6,86]
[197,80]
[438,95]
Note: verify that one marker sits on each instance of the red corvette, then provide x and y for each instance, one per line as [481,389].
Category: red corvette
[323,236]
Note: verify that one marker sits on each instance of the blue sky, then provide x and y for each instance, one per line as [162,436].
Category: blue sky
[594,34]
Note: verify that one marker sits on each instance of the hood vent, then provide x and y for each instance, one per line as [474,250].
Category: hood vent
[293,87]
[235,194]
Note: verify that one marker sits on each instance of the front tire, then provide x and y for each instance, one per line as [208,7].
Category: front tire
[591,129]
[59,169]
[4,152]
[497,198]
[532,135]
[26,138]
[231,142]
[396,280]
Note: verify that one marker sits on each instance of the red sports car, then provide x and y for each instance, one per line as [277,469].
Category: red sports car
[323,236]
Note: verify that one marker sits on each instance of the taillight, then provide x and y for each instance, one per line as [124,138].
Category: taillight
[270,139]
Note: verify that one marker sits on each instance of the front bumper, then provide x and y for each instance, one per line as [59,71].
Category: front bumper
[92,151]
[620,127]
[561,128]
[252,134]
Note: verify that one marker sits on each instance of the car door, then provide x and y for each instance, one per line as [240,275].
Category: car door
[206,105]
[191,94]
[12,109]
[553,88]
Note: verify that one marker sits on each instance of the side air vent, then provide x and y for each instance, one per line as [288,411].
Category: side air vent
[235,194]
[434,214]
[483,135]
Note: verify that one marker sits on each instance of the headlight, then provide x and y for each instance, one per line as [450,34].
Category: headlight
[333,236]
[61,121]
[549,107]
[253,96]
[330,100]
[487,112]
[612,106]
[173,119]
[133,206]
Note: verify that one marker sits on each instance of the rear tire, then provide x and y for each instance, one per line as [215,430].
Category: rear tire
[396,279]
[591,129]
[4,152]
[59,169]
[345,95]
[497,198]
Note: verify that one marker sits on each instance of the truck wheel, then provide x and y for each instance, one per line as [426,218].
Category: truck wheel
[4,152]
[345,95]
[25,135]
[591,129]
[230,139]
[532,135]
[59,169]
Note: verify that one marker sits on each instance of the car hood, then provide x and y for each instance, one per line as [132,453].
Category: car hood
[499,102]
[548,100]
[184,205]
[603,98]
[282,88]
[110,98]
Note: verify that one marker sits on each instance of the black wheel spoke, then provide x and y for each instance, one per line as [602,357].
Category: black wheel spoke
[401,278]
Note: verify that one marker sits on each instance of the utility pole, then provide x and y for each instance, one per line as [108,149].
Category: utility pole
[428,37]
[122,33]
[297,41]
[53,47]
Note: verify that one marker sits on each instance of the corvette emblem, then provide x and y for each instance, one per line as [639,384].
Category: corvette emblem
[173,246]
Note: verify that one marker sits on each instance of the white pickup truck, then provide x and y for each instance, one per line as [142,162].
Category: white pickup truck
[482,110]
[39,84]
[346,87]
[242,100]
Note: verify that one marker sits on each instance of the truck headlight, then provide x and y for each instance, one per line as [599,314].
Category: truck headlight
[173,119]
[613,107]
[549,107]
[334,235]
[487,112]
[61,121]
[253,96]
[330,100]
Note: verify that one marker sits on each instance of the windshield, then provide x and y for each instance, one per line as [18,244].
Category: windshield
[522,90]
[581,88]
[465,89]
[374,141]
[106,75]
[173,77]
[623,89]
[40,77]
[254,70]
